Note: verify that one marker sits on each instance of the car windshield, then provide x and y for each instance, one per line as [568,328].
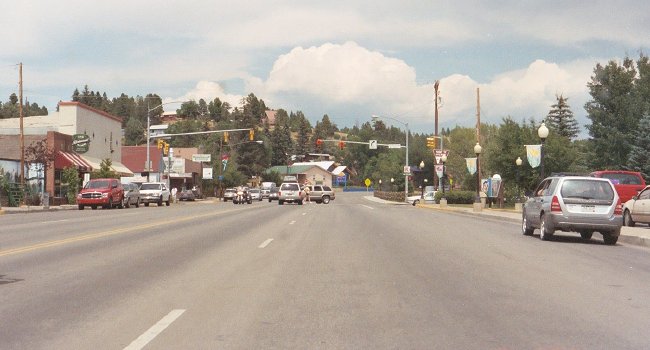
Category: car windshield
[150,187]
[98,184]
[587,189]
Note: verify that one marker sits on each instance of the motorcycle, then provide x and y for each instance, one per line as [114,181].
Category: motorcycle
[241,197]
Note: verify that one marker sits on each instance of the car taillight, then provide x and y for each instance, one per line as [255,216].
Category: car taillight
[619,208]
[555,204]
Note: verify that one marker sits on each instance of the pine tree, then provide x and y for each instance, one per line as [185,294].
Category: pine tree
[639,159]
[304,130]
[560,119]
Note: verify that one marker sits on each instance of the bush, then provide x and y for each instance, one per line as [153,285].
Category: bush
[457,197]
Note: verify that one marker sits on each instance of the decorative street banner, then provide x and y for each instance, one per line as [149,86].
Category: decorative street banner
[224,161]
[439,170]
[471,165]
[207,173]
[534,153]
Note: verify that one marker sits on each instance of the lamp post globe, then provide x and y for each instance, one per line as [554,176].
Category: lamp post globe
[477,150]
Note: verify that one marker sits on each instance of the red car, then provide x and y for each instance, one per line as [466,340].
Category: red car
[106,193]
[627,183]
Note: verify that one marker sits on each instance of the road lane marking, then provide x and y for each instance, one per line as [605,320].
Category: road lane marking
[108,233]
[367,206]
[265,243]
[304,213]
[156,329]
[292,222]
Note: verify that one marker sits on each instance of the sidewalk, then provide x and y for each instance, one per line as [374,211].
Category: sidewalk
[639,236]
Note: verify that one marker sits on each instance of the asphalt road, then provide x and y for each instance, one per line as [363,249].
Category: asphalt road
[352,274]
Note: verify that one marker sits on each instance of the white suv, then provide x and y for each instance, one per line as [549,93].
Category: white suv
[154,192]
[290,192]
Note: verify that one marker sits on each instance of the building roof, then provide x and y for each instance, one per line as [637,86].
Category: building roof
[339,170]
[291,169]
[270,116]
[326,165]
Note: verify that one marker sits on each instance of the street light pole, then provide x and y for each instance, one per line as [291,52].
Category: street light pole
[542,132]
[443,159]
[518,162]
[422,182]
[477,151]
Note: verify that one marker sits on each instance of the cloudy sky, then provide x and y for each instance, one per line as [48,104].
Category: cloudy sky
[348,59]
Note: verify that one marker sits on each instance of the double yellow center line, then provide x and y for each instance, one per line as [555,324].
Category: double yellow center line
[118,231]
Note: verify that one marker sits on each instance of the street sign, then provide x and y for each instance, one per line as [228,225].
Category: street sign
[201,158]
[372,144]
[407,170]
[80,143]
[207,173]
[394,145]
[437,153]
[367,182]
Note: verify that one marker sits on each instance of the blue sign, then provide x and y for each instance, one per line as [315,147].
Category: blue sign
[220,178]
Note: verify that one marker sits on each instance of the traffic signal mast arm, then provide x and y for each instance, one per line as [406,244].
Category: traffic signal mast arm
[197,133]
[366,143]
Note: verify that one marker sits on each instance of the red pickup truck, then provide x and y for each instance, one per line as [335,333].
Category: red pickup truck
[106,193]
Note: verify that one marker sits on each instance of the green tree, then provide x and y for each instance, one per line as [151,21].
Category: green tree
[71,182]
[281,142]
[303,146]
[560,119]
[639,159]
[614,113]
[135,132]
[104,171]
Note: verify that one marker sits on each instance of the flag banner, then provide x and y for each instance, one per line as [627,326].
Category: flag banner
[471,165]
[224,161]
[439,170]
[534,153]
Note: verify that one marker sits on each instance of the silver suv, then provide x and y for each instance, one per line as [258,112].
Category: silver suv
[321,193]
[290,192]
[574,203]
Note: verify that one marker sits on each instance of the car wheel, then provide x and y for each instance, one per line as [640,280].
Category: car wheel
[627,219]
[525,228]
[326,200]
[300,202]
[280,202]
[146,204]
[137,203]
[545,233]
[160,201]
[110,204]
[93,207]
[610,238]
[270,200]
[167,202]
[586,234]
[417,201]
[125,203]
[120,205]
[81,207]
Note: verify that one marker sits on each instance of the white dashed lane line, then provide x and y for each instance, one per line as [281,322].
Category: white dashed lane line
[156,329]
[265,243]
[369,207]
[292,222]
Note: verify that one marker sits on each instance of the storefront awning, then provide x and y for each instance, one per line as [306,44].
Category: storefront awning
[69,159]
[118,167]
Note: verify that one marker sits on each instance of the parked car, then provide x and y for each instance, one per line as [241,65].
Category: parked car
[131,195]
[637,209]
[186,195]
[574,203]
[154,192]
[428,197]
[626,183]
[106,193]
[320,193]
[290,192]
[228,194]
[273,194]
[256,194]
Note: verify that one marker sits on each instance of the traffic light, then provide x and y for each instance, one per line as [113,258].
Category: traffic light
[341,144]
[251,135]
[160,143]
[432,142]
[166,148]
[225,137]
[319,142]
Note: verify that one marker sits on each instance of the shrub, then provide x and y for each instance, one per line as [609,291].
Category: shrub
[457,197]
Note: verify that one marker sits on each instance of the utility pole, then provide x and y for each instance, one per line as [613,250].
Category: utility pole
[22,131]
[478,129]
[435,88]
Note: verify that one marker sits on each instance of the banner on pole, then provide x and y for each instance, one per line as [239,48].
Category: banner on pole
[534,154]
[439,170]
[471,165]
